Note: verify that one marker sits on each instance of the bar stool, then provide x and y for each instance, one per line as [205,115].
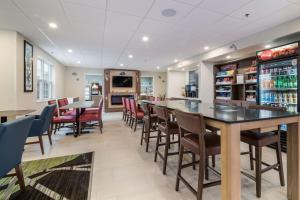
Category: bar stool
[194,138]
[259,140]
[149,125]
[166,128]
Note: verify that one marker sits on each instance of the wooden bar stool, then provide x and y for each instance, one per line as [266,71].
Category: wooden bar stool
[260,139]
[149,125]
[166,128]
[194,138]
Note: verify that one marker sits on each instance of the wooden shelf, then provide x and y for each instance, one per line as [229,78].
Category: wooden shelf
[250,91]
[225,91]
[224,76]
[222,83]
[247,73]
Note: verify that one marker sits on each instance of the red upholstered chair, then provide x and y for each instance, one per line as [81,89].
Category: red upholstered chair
[92,116]
[124,108]
[58,121]
[128,111]
[64,102]
[53,102]
[135,114]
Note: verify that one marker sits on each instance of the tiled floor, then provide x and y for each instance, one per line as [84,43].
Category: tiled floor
[124,171]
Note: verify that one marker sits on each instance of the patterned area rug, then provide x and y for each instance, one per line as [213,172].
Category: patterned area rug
[67,177]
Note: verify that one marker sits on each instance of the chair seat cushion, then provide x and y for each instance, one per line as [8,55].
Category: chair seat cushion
[64,119]
[212,143]
[91,111]
[255,138]
[139,115]
[69,112]
[89,117]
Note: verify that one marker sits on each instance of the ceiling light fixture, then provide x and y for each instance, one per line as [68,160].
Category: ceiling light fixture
[267,46]
[130,56]
[228,57]
[121,65]
[157,67]
[182,69]
[78,62]
[206,47]
[70,50]
[145,38]
[52,25]
[175,60]
[169,68]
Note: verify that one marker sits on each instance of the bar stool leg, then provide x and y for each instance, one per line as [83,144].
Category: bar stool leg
[194,161]
[251,157]
[206,168]
[179,168]
[202,165]
[147,136]
[143,132]
[213,160]
[157,145]
[166,153]
[258,155]
[279,160]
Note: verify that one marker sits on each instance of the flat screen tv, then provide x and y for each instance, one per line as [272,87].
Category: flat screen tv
[122,81]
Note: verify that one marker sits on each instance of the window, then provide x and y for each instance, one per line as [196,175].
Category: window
[45,83]
[147,86]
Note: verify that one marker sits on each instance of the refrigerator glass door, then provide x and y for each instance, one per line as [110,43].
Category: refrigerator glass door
[278,84]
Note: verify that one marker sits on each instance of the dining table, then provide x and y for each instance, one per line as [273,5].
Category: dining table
[8,115]
[231,120]
[79,107]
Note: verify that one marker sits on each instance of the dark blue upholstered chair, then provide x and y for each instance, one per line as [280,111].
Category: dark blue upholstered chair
[12,140]
[41,125]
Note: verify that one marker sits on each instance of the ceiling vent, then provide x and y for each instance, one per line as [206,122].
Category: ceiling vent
[169,12]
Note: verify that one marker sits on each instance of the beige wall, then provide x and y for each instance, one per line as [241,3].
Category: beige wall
[8,51]
[160,82]
[206,82]
[74,85]
[176,83]
[12,73]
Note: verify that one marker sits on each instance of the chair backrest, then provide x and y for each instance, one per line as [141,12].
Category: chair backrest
[53,102]
[100,107]
[127,103]
[66,101]
[61,102]
[133,106]
[47,116]
[123,103]
[162,114]
[192,123]
[146,108]
[12,140]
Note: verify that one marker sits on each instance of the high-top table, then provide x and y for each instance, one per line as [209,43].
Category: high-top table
[12,114]
[80,107]
[231,120]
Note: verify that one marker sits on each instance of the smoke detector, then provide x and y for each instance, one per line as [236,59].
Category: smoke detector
[169,12]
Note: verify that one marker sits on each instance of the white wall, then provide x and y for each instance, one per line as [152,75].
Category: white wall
[74,85]
[176,82]
[12,73]
[160,82]
[206,82]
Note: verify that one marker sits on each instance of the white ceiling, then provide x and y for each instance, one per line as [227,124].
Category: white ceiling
[102,33]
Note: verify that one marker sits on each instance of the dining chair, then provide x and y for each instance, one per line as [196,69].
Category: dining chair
[41,125]
[92,116]
[149,130]
[136,114]
[195,139]
[128,111]
[258,139]
[124,108]
[12,140]
[166,128]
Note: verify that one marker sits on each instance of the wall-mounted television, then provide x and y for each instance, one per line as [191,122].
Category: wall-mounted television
[122,81]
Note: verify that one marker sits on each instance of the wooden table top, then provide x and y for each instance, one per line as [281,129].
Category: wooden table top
[80,104]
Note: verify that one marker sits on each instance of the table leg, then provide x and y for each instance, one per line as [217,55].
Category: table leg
[230,160]
[77,122]
[293,161]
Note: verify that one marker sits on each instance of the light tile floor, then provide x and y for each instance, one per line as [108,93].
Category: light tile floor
[124,171]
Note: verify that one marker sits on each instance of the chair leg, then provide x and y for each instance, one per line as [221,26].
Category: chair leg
[194,161]
[157,145]
[251,157]
[280,167]
[147,136]
[55,128]
[258,155]
[100,125]
[206,168]
[143,131]
[49,136]
[41,144]
[166,153]
[19,173]
[179,167]
[213,160]
[135,124]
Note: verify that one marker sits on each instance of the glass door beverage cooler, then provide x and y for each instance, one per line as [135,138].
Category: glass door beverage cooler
[278,77]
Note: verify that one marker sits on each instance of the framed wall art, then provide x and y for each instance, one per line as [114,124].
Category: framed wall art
[28,67]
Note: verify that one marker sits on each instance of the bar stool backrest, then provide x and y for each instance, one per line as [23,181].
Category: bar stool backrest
[146,108]
[162,114]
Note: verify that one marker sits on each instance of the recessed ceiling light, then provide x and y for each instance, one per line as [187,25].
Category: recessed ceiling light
[70,50]
[121,65]
[267,46]
[168,12]
[228,57]
[175,60]
[52,25]
[157,67]
[182,69]
[206,47]
[169,68]
[130,56]
[78,62]
[145,38]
